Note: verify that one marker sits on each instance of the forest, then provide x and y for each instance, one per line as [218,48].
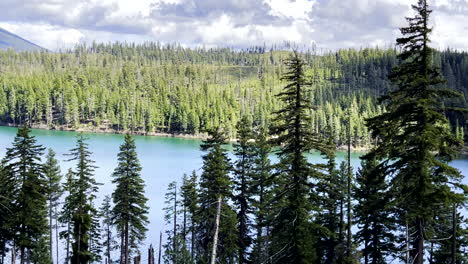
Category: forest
[402,205]
[154,88]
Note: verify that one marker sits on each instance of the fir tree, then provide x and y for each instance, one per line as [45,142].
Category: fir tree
[330,188]
[109,243]
[215,183]
[22,164]
[292,236]
[6,199]
[262,183]
[66,214]
[415,141]
[82,194]
[450,241]
[243,173]
[189,199]
[373,214]
[54,192]
[130,211]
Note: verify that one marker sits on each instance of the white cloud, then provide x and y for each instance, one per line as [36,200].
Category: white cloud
[240,23]
[44,35]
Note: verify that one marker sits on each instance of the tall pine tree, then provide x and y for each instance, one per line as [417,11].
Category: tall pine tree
[130,211]
[243,173]
[293,231]
[373,214]
[82,194]
[54,192]
[215,183]
[415,142]
[22,165]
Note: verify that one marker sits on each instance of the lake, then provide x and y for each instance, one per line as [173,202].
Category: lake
[164,159]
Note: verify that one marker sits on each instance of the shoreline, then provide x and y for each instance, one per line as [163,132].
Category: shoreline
[106,130]
[201,136]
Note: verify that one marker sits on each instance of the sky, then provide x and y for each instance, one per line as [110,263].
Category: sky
[328,24]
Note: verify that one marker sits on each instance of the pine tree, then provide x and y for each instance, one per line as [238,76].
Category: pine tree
[373,214]
[450,241]
[415,142]
[330,188]
[66,214]
[293,232]
[109,243]
[262,190]
[189,199]
[54,192]
[6,199]
[82,193]
[22,164]
[215,183]
[130,211]
[243,173]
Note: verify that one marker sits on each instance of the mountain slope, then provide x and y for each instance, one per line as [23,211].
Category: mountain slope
[9,40]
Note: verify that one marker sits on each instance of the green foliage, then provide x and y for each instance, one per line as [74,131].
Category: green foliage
[293,232]
[28,211]
[262,195]
[415,142]
[189,200]
[130,211]
[54,192]
[108,239]
[84,225]
[373,214]
[152,88]
[214,183]
[243,178]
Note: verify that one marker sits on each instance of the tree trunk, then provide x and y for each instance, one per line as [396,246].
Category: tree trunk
[68,242]
[417,252]
[56,238]
[160,246]
[126,242]
[454,235]
[13,254]
[348,244]
[122,246]
[215,237]
[51,241]
[22,255]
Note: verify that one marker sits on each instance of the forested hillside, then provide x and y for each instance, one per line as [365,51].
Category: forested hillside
[154,88]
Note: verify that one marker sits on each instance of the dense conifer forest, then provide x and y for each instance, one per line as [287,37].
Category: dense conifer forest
[151,87]
[403,205]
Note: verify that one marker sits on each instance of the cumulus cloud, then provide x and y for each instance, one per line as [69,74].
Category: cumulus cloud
[330,24]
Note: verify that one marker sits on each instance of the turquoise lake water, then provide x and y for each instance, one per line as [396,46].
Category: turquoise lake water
[164,159]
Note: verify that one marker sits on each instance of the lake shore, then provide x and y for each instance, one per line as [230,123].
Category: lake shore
[200,136]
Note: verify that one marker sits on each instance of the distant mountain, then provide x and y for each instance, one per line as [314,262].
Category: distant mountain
[9,40]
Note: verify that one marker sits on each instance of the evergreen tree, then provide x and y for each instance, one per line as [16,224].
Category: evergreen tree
[83,213]
[22,164]
[450,241]
[330,187]
[109,243]
[54,192]
[373,214]
[189,199]
[6,199]
[66,214]
[415,141]
[293,232]
[243,173]
[262,191]
[130,211]
[215,183]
